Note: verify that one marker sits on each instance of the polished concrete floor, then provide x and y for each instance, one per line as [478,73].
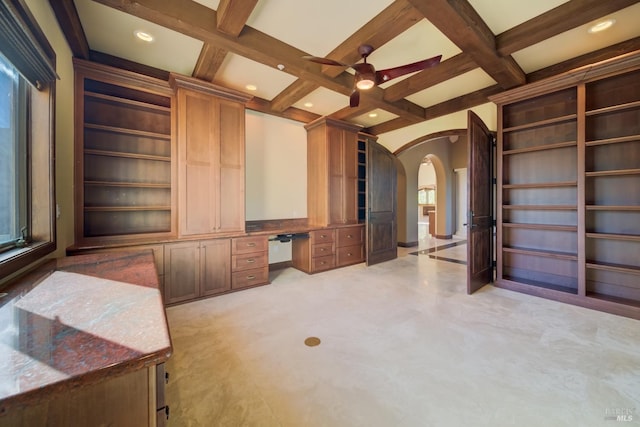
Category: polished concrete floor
[401,344]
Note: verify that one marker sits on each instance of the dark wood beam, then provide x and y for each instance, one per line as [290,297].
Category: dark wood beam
[446,70]
[565,17]
[233,14]
[198,21]
[388,24]
[609,52]
[457,20]
[454,105]
[125,64]
[67,16]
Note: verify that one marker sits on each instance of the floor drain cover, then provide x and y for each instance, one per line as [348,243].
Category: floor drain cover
[312,341]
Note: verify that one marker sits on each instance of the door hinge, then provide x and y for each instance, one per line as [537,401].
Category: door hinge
[494,180]
[494,222]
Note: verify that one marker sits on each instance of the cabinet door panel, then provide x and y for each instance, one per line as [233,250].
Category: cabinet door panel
[181,271]
[215,266]
[231,190]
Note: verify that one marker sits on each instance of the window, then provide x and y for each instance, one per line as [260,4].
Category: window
[27,88]
[427,196]
[13,156]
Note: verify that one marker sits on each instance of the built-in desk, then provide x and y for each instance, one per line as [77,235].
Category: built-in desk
[80,339]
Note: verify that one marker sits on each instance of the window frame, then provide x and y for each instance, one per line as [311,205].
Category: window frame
[26,47]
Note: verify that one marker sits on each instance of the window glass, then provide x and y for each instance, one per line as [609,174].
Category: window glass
[13,162]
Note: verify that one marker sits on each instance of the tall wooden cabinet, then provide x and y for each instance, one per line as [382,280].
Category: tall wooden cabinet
[123,156]
[211,157]
[332,172]
[568,224]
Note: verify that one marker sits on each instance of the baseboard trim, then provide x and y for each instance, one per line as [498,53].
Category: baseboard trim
[407,244]
[280,265]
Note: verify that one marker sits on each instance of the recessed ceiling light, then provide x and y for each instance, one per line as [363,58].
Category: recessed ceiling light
[372,115]
[601,26]
[308,104]
[251,87]
[143,35]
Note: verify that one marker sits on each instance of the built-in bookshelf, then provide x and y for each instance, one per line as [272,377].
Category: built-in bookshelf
[568,224]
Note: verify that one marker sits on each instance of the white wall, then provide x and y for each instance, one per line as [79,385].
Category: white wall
[276,167]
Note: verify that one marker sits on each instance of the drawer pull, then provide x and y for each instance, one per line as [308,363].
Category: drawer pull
[251,277]
[321,249]
[251,244]
[323,262]
[251,261]
[349,254]
[349,236]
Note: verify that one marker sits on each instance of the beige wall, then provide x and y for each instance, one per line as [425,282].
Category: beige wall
[276,167]
[64,121]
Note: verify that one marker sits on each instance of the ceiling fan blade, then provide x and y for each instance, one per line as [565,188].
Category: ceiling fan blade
[354,99]
[324,61]
[383,76]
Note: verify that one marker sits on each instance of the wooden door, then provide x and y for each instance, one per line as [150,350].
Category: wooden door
[215,266]
[182,272]
[381,224]
[479,204]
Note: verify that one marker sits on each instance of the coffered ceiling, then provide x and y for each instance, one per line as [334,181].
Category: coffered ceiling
[487,46]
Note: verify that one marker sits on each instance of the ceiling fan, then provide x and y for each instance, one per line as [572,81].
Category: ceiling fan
[366,75]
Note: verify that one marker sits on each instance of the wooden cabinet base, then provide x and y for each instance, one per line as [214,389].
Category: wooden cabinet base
[127,400]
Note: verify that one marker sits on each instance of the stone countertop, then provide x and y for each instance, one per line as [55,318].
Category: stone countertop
[79,320]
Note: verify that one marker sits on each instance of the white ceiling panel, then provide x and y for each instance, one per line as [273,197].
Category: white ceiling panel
[237,72]
[502,15]
[579,41]
[315,27]
[110,31]
[463,84]
[374,117]
[324,102]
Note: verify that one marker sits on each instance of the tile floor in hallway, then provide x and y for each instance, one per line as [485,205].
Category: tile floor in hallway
[401,345]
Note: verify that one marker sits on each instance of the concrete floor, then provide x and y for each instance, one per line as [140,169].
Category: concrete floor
[401,345]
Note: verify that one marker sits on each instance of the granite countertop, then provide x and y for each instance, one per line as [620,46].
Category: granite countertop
[78,320]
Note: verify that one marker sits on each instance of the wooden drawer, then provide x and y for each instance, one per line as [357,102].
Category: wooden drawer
[322,236]
[350,236]
[349,255]
[248,261]
[247,278]
[323,263]
[244,245]
[322,249]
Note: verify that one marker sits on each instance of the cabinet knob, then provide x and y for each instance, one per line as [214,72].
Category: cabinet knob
[321,249]
[323,236]
[323,262]
[251,277]
[349,254]
[349,236]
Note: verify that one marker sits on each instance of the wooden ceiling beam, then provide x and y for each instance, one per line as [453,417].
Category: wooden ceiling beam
[67,16]
[231,17]
[388,24]
[563,18]
[454,105]
[446,70]
[209,62]
[198,21]
[461,24]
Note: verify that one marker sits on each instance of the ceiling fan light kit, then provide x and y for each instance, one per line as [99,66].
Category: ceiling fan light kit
[366,76]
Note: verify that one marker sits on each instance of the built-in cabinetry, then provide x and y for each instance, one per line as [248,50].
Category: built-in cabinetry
[195,269]
[210,129]
[249,261]
[568,223]
[329,248]
[332,172]
[123,155]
